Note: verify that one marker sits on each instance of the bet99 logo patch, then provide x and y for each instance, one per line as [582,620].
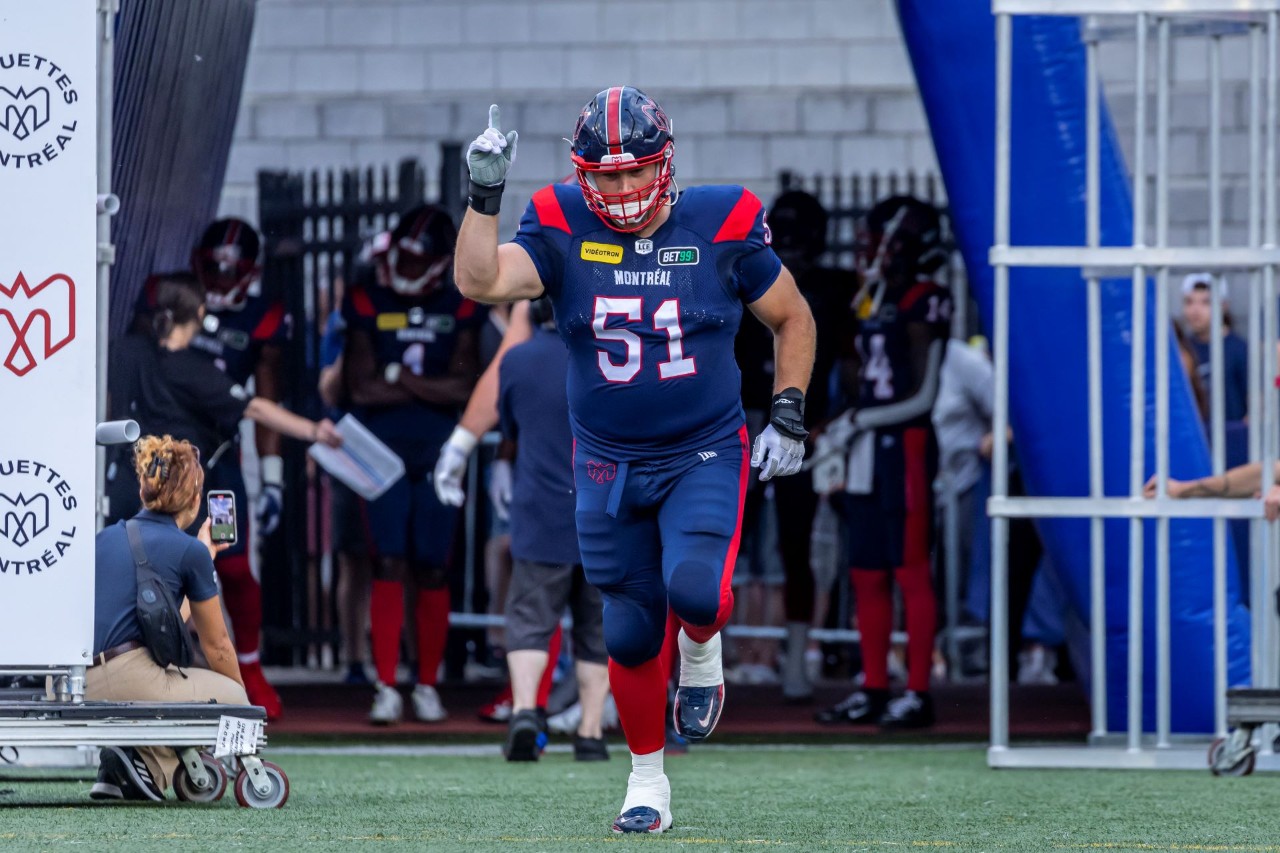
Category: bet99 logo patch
[680,256]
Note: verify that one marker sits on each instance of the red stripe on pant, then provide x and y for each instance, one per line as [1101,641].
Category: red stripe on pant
[703,633]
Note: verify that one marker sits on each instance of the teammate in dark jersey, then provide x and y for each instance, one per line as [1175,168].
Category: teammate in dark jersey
[243,334]
[411,359]
[892,371]
[649,289]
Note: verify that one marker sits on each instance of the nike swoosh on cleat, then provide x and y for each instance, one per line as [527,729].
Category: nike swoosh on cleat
[706,721]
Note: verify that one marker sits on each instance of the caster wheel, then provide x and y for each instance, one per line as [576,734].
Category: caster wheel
[1243,767]
[248,797]
[186,789]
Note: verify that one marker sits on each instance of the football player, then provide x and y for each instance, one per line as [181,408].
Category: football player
[411,359]
[892,370]
[648,287]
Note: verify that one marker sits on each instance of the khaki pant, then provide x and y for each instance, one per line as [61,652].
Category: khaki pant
[135,677]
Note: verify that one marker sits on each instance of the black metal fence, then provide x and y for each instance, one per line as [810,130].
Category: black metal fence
[314,225]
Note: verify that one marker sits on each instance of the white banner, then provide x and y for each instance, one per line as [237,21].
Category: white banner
[48,249]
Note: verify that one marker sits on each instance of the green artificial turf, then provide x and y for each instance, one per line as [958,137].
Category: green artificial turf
[723,799]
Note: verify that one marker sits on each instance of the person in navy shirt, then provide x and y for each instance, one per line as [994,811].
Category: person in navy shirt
[243,334]
[1197,318]
[172,491]
[411,359]
[648,288]
[548,575]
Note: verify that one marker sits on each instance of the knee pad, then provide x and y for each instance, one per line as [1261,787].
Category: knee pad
[694,592]
[633,633]
[393,569]
[429,577]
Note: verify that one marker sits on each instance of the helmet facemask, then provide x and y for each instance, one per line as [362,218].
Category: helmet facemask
[632,210]
[226,275]
[411,271]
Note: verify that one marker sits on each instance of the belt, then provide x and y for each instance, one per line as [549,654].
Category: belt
[115,652]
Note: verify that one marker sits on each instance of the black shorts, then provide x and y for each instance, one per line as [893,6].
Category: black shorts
[537,598]
[893,526]
[349,517]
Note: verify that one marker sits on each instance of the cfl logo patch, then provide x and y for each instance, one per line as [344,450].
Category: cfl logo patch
[704,455]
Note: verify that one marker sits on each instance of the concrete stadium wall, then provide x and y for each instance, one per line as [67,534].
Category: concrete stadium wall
[752,87]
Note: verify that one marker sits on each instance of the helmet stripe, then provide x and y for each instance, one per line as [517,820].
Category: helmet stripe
[233,231]
[613,119]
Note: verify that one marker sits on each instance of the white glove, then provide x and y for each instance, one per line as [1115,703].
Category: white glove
[451,465]
[491,154]
[500,488]
[775,454]
[270,503]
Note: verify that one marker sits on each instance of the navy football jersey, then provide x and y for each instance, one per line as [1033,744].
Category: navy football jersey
[884,347]
[420,334]
[650,322]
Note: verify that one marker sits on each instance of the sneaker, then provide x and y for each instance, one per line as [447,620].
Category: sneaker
[647,807]
[107,786]
[128,772]
[260,690]
[356,676]
[567,721]
[427,706]
[700,696]
[589,749]
[522,737]
[1036,665]
[911,710]
[388,706]
[861,708]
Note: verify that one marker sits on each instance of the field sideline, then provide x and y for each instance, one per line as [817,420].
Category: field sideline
[804,799]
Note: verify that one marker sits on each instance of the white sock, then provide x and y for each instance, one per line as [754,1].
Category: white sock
[700,664]
[646,768]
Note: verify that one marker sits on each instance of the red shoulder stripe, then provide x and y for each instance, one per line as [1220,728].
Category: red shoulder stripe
[547,206]
[270,323]
[466,309]
[917,292]
[363,304]
[738,224]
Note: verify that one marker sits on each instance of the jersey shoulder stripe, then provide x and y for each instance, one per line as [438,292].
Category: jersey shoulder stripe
[918,291]
[741,219]
[269,325]
[550,213]
[363,303]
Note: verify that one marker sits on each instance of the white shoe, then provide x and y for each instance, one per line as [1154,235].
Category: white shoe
[568,720]
[1036,665]
[647,807]
[388,707]
[427,706]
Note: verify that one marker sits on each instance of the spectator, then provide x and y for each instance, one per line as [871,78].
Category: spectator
[537,494]
[123,670]
[1197,318]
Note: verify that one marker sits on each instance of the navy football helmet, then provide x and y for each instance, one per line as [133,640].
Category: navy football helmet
[799,225]
[621,129]
[901,240]
[226,262]
[417,256]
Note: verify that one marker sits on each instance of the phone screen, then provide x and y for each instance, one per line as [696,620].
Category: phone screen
[222,513]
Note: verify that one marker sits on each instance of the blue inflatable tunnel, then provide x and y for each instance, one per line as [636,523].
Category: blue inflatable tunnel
[952,47]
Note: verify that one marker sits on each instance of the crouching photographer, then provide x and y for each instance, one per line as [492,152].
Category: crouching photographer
[145,565]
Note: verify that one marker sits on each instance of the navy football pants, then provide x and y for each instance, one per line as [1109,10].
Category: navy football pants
[661,533]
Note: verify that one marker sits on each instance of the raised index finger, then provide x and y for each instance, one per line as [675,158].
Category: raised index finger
[495,118]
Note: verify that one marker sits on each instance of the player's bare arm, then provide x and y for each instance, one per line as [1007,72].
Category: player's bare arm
[266,383]
[484,270]
[927,352]
[453,387]
[365,383]
[786,312]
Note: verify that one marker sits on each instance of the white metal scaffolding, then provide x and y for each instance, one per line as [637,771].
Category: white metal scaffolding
[1246,25]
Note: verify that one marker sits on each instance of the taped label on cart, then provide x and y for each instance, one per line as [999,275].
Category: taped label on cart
[237,736]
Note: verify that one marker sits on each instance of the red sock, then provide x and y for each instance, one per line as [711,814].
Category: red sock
[243,598]
[432,617]
[386,619]
[874,607]
[921,606]
[548,674]
[641,695]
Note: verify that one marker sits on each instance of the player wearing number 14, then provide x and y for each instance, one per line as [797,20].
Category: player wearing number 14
[648,286]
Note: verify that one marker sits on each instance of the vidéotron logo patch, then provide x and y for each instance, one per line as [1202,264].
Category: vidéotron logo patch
[36,528]
[35,322]
[39,116]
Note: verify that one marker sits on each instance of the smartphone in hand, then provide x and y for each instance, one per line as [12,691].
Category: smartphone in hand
[222,516]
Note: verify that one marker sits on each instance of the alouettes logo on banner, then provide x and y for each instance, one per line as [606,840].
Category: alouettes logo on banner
[41,320]
[39,112]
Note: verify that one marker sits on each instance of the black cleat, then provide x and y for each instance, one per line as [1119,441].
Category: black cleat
[523,733]
[107,785]
[912,710]
[860,708]
[697,710]
[589,749]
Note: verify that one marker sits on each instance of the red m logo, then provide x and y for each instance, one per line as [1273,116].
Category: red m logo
[21,305]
